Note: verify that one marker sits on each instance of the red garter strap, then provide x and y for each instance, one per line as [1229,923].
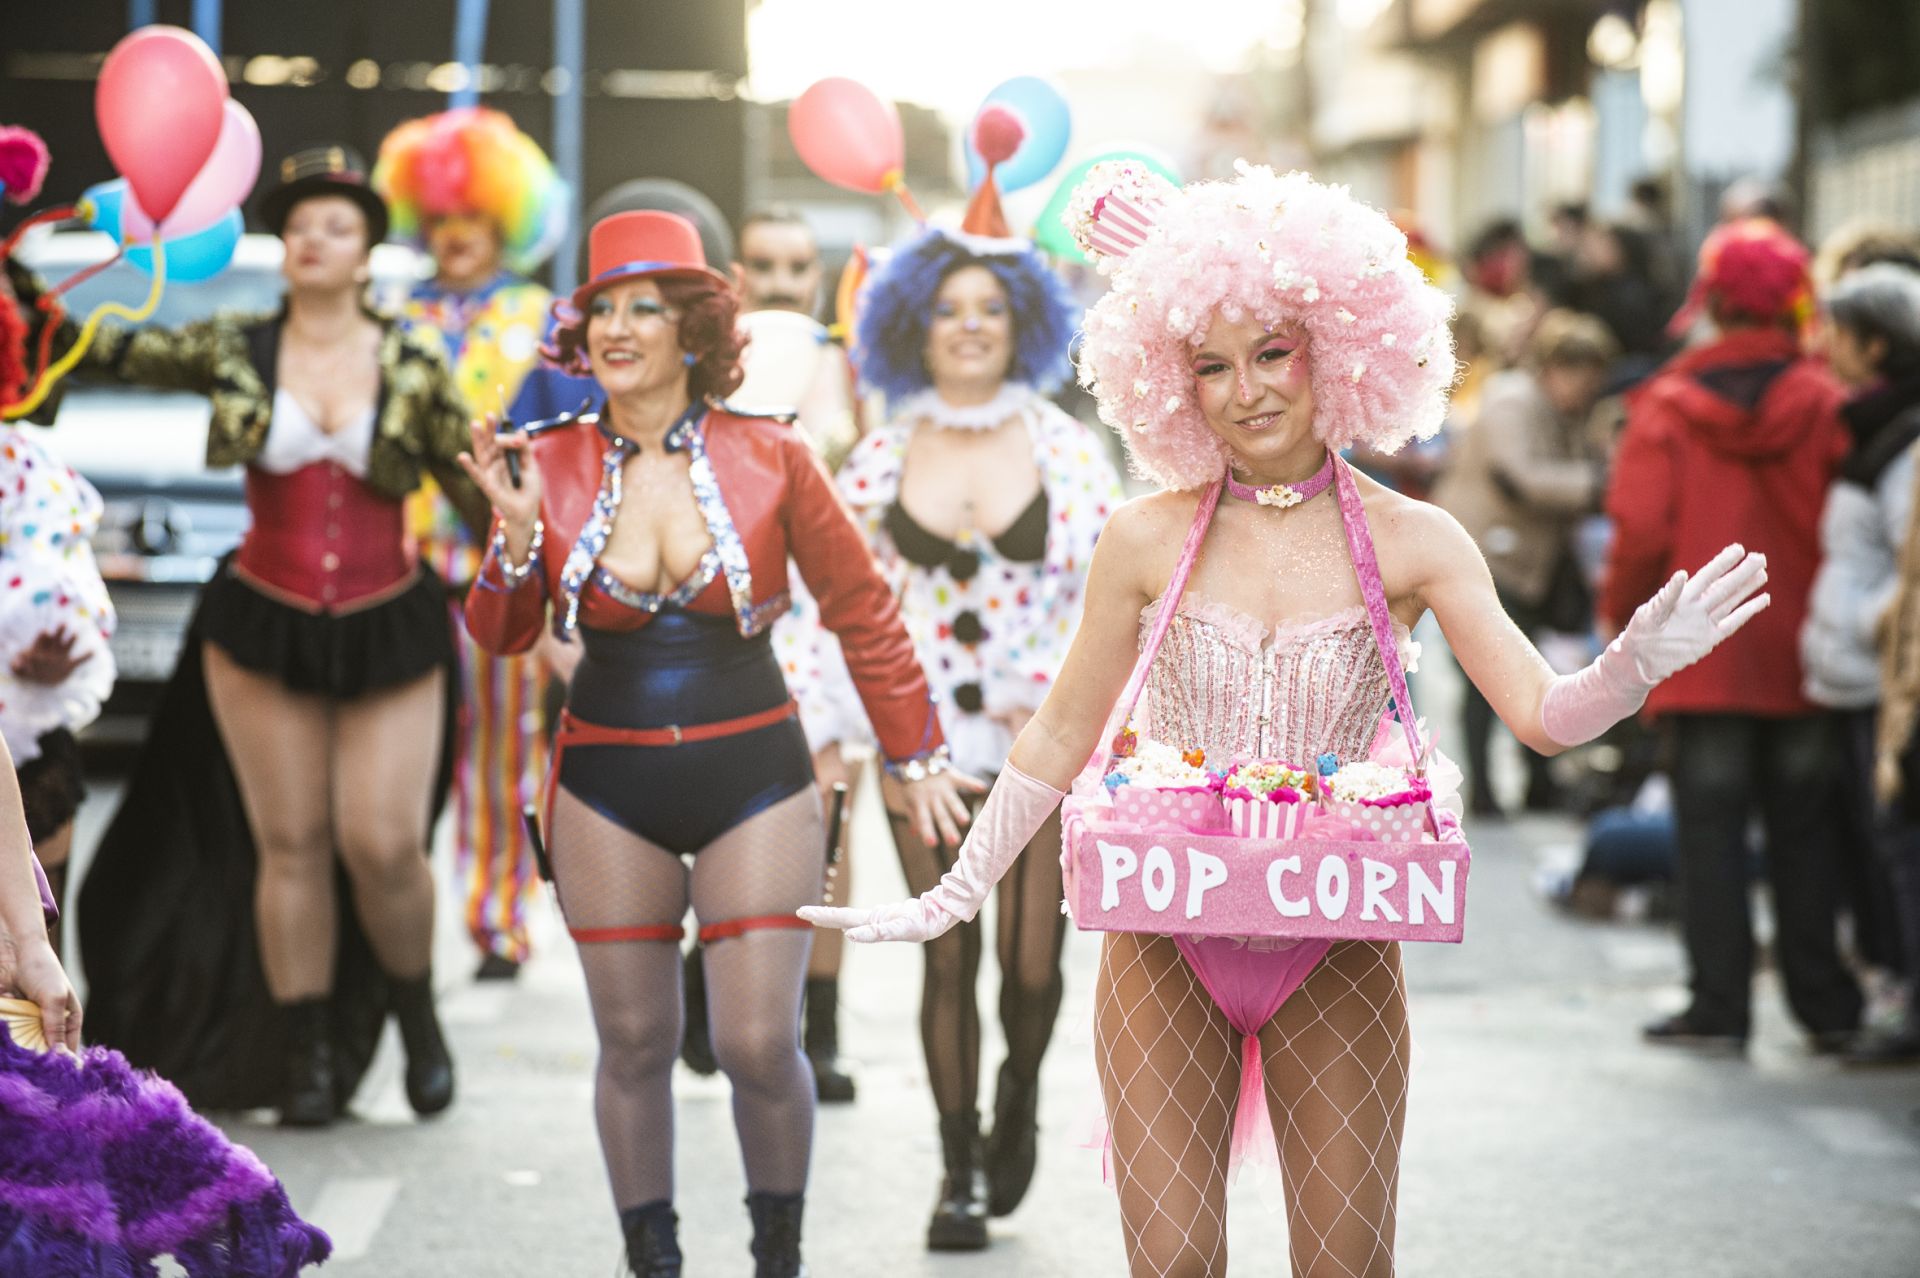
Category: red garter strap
[730,928]
[657,932]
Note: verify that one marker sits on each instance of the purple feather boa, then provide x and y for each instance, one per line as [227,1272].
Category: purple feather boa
[103,1168]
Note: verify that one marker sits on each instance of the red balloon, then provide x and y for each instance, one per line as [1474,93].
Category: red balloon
[159,104]
[848,135]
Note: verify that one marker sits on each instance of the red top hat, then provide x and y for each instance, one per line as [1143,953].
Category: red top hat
[643,243]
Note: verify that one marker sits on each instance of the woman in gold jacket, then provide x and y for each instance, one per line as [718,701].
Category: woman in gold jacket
[322,647]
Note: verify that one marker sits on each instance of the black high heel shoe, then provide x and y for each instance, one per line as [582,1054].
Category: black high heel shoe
[429,1065]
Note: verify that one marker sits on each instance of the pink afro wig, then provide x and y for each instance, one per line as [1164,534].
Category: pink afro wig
[1283,249]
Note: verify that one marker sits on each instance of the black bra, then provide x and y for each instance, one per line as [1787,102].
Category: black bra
[1023,542]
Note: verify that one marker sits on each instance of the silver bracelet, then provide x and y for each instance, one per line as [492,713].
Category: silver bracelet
[513,576]
[922,766]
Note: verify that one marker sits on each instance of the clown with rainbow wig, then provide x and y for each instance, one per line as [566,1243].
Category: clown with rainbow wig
[1260,606]
[484,201]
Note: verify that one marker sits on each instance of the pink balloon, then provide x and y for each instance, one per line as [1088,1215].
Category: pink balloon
[848,135]
[158,105]
[222,182]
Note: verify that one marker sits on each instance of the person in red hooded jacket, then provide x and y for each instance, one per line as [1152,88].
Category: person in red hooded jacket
[1737,438]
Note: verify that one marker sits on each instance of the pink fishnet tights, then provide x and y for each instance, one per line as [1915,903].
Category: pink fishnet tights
[770,864]
[1336,1058]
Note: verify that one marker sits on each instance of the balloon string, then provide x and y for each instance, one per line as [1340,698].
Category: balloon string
[59,214]
[897,183]
[49,376]
[55,314]
[82,276]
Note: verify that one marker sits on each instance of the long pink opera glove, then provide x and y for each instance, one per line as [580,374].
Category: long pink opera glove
[1685,621]
[1008,820]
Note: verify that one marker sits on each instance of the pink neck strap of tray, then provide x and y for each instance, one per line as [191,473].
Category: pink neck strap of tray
[1366,566]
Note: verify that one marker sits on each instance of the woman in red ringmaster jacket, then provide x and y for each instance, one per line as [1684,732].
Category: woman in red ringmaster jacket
[660,528]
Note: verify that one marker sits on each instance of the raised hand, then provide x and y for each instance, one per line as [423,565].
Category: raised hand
[1686,620]
[486,466]
[1691,616]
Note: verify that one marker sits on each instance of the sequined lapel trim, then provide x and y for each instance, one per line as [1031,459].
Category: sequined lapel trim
[649,601]
[726,538]
[728,556]
[593,536]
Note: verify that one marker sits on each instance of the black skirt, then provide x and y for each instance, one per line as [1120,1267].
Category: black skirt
[336,654]
[51,786]
[166,919]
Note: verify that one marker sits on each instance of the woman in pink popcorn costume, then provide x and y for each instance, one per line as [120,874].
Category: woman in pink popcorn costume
[982,501]
[1253,329]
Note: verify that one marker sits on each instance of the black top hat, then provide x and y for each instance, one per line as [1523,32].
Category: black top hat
[323,170]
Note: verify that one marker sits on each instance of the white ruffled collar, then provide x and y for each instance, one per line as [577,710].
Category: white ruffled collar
[927,405]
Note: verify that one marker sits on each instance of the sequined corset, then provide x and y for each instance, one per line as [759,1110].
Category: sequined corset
[1227,683]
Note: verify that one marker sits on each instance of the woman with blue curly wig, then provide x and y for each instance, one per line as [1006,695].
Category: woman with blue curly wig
[982,500]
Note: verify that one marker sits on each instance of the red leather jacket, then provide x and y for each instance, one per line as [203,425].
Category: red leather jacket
[770,500]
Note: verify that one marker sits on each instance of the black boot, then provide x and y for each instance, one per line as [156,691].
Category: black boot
[306,1090]
[1012,1148]
[653,1240]
[960,1217]
[776,1234]
[696,1040]
[831,1082]
[429,1067]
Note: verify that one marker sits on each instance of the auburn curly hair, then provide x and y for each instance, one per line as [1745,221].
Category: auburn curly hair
[709,331]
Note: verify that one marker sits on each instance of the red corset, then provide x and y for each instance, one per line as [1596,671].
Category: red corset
[324,537]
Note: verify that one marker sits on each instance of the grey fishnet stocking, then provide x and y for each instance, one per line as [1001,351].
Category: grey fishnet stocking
[767,866]
[607,877]
[1335,1074]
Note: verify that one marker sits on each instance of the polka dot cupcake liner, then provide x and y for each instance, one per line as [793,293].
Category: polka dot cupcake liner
[1189,809]
[1396,823]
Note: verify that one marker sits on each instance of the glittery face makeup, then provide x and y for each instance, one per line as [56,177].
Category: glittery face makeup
[1253,388]
[970,333]
[633,339]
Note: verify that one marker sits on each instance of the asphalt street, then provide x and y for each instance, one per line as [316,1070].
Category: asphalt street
[1543,1137]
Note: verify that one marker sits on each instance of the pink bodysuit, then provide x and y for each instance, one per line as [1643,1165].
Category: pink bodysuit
[1227,683]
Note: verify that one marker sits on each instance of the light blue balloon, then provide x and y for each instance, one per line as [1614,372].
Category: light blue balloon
[1043,109]
[190,258]
[108,200]
[196,257]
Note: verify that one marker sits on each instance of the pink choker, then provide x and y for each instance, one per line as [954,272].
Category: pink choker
[1282,496]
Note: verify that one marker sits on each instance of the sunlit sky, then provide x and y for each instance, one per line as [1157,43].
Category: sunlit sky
[949,55]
